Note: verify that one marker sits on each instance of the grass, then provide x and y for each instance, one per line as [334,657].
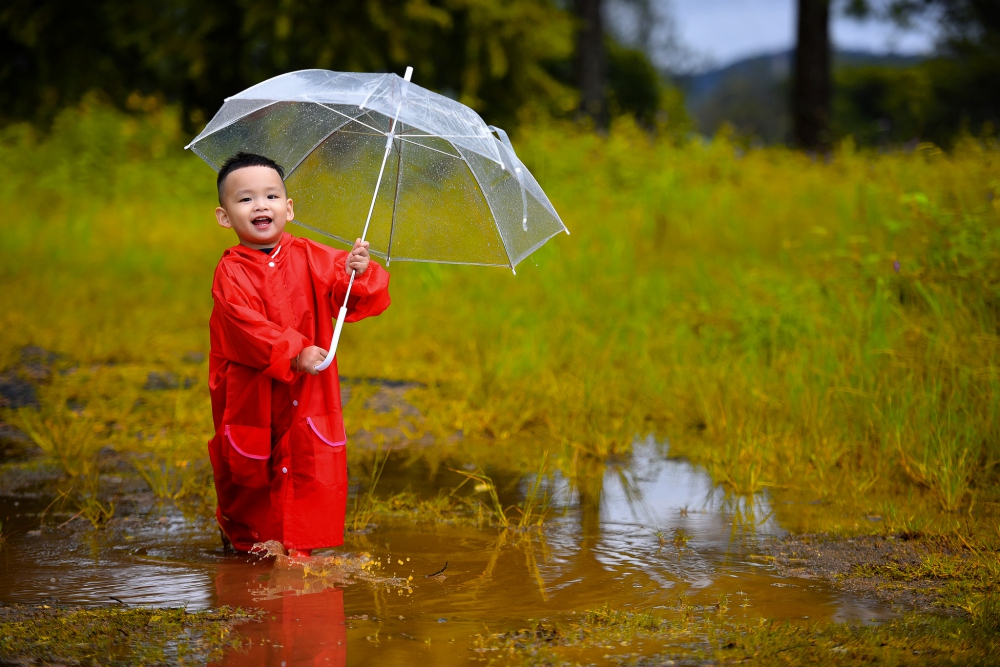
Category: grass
[117,635]
[965,576]
[693,636]
[747,305]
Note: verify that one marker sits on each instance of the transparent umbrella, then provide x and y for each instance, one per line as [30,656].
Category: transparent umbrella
[419,176]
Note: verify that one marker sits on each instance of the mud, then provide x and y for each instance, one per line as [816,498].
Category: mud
[847,561]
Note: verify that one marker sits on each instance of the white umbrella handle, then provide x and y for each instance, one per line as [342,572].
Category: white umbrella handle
[343,309]
[335,341]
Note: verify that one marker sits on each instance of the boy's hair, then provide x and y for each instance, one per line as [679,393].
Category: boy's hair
[241,160]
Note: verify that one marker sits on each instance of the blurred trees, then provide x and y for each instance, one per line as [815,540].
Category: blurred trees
[494,56]
[955,91]
[500,57]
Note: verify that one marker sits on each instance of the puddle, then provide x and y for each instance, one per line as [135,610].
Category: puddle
[650,533]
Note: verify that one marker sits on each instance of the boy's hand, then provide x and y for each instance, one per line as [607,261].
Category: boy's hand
[358,259]
[309,358]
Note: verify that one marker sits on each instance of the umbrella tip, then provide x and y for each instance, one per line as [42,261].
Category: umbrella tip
[409,73]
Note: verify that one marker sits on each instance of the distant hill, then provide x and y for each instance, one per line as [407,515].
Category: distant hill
[752,94]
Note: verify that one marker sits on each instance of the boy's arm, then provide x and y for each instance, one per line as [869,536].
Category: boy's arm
[370,293]
[247,337]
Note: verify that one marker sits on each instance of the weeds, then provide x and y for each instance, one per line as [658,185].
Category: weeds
[118,636]
[823,327]
[532,510]
[366,505]
[696,637]
[69,439]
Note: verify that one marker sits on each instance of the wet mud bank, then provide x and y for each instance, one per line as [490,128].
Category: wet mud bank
[908,572]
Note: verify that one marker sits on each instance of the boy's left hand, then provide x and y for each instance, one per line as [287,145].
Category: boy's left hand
[358,259]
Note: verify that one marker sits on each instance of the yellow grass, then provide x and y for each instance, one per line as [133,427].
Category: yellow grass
[742,304]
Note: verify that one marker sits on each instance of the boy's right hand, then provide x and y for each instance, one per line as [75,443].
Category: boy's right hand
[309,358]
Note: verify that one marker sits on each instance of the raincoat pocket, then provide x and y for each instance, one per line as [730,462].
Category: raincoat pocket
[248,452]
[329,451]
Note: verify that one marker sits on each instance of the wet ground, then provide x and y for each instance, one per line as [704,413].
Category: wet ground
[656,533]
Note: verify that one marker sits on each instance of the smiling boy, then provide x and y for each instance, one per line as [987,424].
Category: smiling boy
[278,452]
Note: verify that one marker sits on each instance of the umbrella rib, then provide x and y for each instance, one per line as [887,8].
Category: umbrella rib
[362,134]
[201,137]
[379,253]
[436,150]
[367,112]
[395,200]
[496,222]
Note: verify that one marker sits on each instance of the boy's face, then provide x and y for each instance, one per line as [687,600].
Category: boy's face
[254,204]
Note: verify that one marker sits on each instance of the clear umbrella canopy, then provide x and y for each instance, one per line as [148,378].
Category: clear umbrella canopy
[448,189]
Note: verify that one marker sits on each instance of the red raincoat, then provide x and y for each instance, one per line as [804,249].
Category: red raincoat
[278,451]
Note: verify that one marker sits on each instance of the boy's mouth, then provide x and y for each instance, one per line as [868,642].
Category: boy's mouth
[261,222]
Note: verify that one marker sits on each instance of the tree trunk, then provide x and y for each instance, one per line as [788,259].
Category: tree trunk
[591,69]
[811,79]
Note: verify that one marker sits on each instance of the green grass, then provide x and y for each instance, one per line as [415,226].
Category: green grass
[117,635]
[743,304]
[694,636]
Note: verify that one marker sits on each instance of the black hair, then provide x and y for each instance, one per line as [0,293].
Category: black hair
[241,160]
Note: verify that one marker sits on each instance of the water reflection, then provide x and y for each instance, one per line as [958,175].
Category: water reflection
[650,532]
[302,621]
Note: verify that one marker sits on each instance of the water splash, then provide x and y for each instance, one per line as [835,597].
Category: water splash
[313,574]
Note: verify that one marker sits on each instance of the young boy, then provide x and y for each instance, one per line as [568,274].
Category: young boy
[278,451]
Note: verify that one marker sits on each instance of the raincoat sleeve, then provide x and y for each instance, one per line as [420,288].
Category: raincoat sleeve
[370,293]
[247,337]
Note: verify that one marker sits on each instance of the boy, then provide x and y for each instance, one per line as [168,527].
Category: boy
[278,451]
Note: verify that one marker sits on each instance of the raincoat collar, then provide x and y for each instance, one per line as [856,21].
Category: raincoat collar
[276,255]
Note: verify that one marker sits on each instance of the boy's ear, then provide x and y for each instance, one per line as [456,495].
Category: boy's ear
[290,213]
[223,217]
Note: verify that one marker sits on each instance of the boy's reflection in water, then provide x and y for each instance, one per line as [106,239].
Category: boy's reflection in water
[303,620]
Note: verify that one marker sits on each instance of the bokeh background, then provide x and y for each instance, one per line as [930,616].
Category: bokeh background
[884,72]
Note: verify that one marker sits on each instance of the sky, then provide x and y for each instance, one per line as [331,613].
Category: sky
[722,31]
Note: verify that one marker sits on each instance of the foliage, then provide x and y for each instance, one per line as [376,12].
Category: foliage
[954,93]
[637,88]
[492,55]
[936,100]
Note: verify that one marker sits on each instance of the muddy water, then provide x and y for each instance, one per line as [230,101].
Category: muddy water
[602,547]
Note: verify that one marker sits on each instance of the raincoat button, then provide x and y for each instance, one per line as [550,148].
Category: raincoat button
[295,403]
[284,470]
[270,263]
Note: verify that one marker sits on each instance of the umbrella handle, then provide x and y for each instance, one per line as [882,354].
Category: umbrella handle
[334,341]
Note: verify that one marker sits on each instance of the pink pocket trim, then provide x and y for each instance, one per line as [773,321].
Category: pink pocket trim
[236,447]
[321,437]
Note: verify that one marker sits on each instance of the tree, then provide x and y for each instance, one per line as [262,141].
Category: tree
[811,76]
[591,60]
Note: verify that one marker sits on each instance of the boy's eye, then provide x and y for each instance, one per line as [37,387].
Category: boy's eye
[245,199]
[272,196]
